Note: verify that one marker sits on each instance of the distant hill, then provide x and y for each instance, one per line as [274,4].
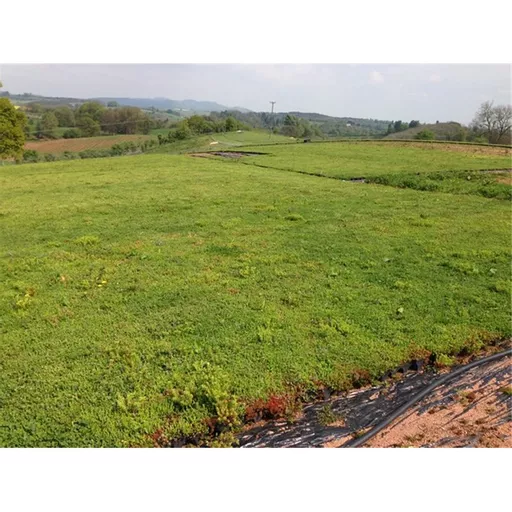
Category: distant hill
[330,126]
[241,109]
[443,131]
[167,104]
[158,103]
[327,126]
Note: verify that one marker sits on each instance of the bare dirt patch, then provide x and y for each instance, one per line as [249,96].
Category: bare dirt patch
[471,411]
[224,154]
[506,180]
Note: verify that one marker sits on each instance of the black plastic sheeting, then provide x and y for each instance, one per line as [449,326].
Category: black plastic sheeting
[366,408]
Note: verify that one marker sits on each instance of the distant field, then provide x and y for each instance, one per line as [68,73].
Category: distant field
[250,137]
[441,130]
[141,296]
[81,144]
[218,141]
[159,131]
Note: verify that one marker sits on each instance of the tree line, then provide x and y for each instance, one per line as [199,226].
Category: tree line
[87,120]
[399,126]
[201,125]
[299,124]
[291,126]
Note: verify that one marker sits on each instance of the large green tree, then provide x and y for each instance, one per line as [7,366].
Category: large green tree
[231,124]
[110,121]
[197,124]
[65,116]
[182,131]
[88,126]
[12,137]
[127,120]
[91,109]
[48,125]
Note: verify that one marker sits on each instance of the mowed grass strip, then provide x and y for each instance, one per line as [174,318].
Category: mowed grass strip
[349,160]
[146,292]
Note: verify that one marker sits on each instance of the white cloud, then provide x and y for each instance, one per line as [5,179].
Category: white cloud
[376,77]
[434,78]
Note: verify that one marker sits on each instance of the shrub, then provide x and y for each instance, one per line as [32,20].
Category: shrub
[72,133]
[116,150]
[124,148]
[426,135]
[182,132]
[294,217]
[49,157]
[95,153]
[326,416]
[29,155]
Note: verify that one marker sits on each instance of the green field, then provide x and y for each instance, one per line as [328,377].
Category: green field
[151,292]
[250,137]
[224,141]
[348,160]
[452,168]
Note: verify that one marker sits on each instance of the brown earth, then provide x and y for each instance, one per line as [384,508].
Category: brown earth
[507,180]
[224,154]
[81,144]
[473,410]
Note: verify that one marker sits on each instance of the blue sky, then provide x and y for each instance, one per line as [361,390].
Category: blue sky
[427,92]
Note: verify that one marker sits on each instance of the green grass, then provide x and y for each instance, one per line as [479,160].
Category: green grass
[347,160]
[226,141]
[159,131]
[250,137]
[155,291]
[492,185]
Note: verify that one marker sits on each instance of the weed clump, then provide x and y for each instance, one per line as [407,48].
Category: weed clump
[87,240]
[326,416]
[506,390]
[294,217]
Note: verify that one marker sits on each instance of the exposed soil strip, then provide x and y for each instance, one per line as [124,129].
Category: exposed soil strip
[474,410]
[225,154]
[360,179]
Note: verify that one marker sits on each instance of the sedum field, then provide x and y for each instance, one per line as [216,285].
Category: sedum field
[143,295]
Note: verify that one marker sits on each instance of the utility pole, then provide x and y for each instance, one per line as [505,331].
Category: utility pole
[271,118]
